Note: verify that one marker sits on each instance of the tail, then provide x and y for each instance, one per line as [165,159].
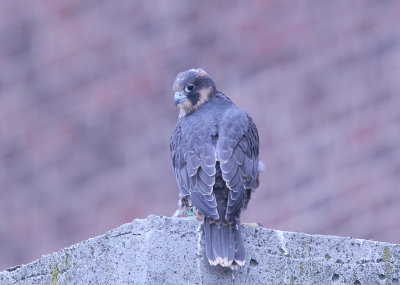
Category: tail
[224,243]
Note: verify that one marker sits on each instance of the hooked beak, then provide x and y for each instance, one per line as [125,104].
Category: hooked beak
[179,97]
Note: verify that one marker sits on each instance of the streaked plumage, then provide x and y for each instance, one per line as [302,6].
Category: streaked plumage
[214,151]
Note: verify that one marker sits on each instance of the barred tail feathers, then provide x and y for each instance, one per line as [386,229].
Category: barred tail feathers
[224,243]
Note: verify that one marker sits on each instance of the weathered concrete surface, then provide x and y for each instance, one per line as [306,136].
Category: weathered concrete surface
[161,250]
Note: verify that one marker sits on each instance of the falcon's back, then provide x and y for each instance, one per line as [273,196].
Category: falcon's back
[214,151]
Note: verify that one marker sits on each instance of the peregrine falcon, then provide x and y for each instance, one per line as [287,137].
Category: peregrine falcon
[214,152]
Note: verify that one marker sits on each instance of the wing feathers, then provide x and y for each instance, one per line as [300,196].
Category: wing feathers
[208,179]
[203,188]
[231,173]
[192,163]
[227,166]
[206,204]
[237,151]
[234,144]
[238,155]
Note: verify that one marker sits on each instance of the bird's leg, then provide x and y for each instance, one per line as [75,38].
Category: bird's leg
[190,212]
[189,207]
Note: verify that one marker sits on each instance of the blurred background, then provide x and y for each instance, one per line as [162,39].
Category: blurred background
[86,112]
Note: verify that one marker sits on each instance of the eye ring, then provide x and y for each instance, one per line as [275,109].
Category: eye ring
[189,88]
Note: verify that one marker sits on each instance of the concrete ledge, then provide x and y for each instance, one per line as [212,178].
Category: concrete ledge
[162,250]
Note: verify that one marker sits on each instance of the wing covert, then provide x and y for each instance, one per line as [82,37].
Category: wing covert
[237,151]
[193,158]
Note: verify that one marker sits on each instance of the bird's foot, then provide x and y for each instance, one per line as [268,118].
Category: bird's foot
[253,224]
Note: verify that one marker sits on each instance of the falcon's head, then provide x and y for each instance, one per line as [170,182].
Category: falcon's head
[192,88]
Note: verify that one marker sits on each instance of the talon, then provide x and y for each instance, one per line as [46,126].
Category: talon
[253,224]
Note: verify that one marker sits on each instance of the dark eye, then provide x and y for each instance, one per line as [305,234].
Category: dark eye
[189,88]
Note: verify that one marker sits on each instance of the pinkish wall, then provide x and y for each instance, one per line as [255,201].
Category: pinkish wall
[86,112]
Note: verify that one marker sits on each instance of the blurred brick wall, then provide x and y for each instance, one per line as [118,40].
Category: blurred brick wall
[86,112]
